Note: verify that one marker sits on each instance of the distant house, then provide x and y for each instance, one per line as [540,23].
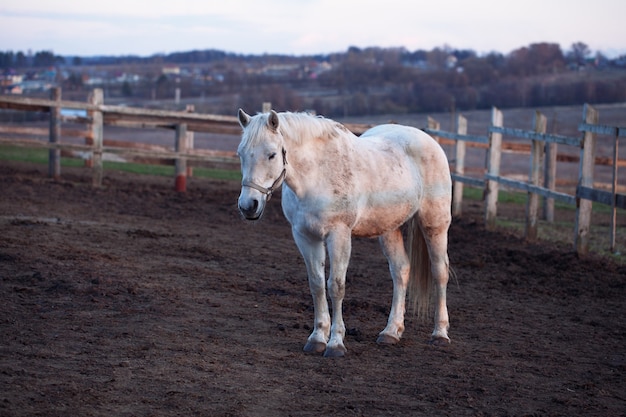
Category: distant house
[28,86]
[171,70]
[94,81]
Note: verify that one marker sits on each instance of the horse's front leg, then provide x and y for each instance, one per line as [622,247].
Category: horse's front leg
[339,246]
[312,251]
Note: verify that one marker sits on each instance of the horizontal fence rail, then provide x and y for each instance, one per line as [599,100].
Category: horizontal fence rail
[530,135]
[456,136]
[603,130]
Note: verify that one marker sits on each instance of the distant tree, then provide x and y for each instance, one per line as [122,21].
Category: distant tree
[437,58]
[546,57]
[162,86]
[496,60]
[414,58]
[354,50]
[44,59]
[127,91]
[74,81]
[537,58]
[463,54]
[20,59]
[479,71]
[77,61]
[6,59]
[578,53]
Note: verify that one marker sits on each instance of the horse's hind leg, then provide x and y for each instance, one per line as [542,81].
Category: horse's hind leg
[393,248]
[440,271]
[434,223]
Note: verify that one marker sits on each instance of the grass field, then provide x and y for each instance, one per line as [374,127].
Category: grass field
[40,156]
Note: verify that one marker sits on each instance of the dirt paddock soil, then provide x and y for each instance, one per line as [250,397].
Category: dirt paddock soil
[133,300]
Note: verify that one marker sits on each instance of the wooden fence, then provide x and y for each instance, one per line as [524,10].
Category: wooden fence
[543,158]
[542,150]
[184,124]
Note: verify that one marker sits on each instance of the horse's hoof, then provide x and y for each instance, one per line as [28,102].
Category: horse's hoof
[335,352]
[385,339]
[314,347]
[440,342]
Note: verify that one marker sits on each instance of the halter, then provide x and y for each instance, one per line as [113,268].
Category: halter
[268,191]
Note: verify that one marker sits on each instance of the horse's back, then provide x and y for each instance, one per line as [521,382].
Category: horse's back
[412,139]
[424,151]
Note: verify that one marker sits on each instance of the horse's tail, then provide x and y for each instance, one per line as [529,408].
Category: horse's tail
[420,277]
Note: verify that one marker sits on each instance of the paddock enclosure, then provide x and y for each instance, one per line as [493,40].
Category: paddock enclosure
[135,300]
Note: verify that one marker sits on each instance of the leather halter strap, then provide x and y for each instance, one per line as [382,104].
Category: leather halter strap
[268,191]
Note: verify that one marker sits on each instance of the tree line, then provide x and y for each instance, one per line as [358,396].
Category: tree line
[364,81]
[384,80]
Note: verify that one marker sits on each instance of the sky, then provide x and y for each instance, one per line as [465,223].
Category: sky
[305,27]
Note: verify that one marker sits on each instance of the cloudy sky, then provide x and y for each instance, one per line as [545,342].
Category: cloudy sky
[300,27]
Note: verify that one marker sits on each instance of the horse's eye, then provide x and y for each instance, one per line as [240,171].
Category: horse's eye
[272,156]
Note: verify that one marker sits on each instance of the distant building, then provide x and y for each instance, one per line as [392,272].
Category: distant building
[171,70]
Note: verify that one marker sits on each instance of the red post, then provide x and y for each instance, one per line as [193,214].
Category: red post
[181,163]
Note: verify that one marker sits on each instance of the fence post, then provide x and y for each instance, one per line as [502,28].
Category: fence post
[534,177]
[266,107]
[493,169]
[585,179]
[549,180]
[181,163]
[190,139]
[459,166]
[97,133]
[614,190]
[54,154]
[434,125]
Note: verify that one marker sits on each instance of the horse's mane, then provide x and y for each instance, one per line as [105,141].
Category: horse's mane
[297,127]
[306,126]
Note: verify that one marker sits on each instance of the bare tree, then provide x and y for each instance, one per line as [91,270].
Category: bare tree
[579,53]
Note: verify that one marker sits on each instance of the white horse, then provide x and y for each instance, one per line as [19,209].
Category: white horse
[337,185]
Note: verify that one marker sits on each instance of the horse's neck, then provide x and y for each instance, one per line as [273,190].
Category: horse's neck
[309,152]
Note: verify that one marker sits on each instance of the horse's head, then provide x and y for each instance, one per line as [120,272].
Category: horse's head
[263,163]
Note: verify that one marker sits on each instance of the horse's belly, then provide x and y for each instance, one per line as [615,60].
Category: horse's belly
[376,221]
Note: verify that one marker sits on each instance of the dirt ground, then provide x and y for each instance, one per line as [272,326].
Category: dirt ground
[135,300]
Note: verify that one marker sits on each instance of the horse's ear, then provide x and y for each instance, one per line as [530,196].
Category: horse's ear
[244,119]
[272,121]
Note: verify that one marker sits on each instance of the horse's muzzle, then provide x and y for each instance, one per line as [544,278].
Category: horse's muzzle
[252,210]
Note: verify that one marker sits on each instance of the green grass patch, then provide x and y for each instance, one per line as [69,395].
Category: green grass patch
[520,197]
[34,155]
[40,156]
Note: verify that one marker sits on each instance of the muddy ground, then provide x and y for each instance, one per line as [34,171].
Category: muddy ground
[135,300]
